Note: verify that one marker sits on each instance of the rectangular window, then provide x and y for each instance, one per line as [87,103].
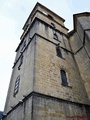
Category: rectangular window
[55,36]
[24,46]
[64,78]
[58,51]
[21,61]
[52,25]
[16,88]
[50,17]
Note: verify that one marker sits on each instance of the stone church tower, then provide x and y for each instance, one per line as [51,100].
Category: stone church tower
[50,78]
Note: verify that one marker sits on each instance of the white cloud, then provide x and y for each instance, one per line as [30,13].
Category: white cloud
[9,5]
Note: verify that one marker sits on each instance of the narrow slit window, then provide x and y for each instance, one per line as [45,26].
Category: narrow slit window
[58,51]
[63,78]
[52,25]
[55,36]
[21,61]
[50,17]
[24,44]
[44,12]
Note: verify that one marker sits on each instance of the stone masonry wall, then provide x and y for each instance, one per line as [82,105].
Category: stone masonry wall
[44,97]
[80,44]
[26,73]
[48,79]
[21,112]
[48,65]
[45,108]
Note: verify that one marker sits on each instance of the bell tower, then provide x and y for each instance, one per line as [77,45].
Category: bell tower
[45,83]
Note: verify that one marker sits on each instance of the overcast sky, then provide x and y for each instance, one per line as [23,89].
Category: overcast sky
[13,14]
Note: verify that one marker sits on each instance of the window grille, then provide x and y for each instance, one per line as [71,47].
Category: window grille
[16,88]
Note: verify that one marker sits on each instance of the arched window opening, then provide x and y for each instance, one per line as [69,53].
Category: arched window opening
[63,78]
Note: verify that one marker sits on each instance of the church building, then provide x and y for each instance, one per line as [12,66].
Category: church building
[50,77]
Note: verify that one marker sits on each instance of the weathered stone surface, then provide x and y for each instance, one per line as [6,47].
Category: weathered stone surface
[41,107]
[41,94]
[53,109]
[82,57]
[21,112]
